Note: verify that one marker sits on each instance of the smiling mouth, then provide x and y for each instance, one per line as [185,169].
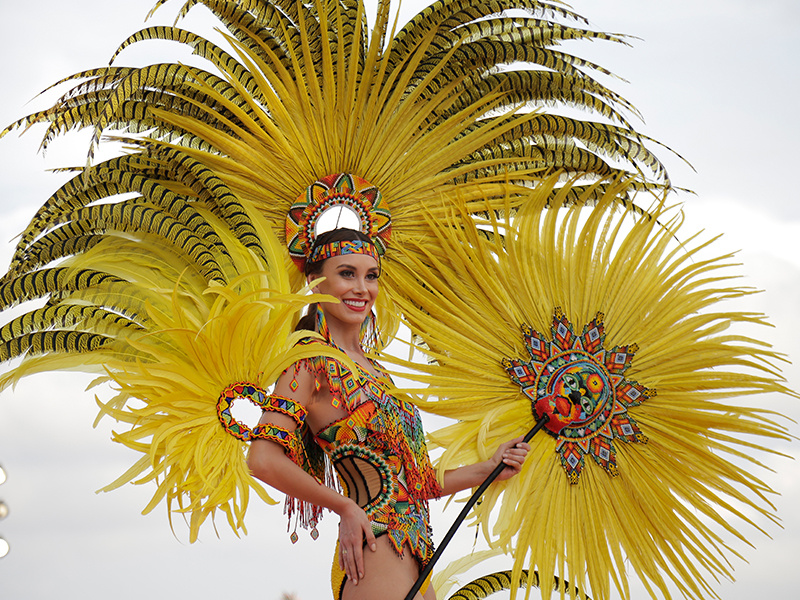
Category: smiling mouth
[355,303]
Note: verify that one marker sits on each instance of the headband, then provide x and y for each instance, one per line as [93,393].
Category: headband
[343,247]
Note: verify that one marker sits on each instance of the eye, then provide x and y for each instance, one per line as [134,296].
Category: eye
[571,381]
[347,273]
[372,276]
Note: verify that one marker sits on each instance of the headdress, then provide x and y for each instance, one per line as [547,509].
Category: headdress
[337,192]
[150,260]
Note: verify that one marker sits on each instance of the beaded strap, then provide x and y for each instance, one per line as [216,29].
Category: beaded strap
[286,406]
[342,248]
[288,439]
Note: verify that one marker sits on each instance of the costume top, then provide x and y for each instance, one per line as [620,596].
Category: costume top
[378,452]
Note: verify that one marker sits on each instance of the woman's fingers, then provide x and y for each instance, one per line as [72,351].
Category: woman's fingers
[358,553]
[354,557]
[350,539]
[354,530]
[512,454]
[369,537]
[516,454]
[351,556]
[358,563]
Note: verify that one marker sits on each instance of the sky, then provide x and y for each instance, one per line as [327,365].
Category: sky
[715,80]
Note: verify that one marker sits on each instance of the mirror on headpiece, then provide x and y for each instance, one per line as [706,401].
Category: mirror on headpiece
[339,216]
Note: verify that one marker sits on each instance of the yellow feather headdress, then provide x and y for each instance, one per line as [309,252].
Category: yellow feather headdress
[139,259]
[148,263]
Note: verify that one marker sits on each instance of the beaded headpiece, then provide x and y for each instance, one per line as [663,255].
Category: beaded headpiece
[331,191]
[340,248]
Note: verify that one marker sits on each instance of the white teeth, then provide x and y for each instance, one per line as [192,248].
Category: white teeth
[358,303]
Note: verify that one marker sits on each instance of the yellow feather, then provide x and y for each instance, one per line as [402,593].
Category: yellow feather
[666,517]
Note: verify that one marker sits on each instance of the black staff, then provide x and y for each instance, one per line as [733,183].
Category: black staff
[463,514]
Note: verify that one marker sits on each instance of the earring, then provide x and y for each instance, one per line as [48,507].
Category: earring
[370,334]
[322,324]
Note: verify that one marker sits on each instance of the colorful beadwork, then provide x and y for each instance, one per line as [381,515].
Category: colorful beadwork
[286,406]
[343,248]
[226,399]
[378,451]
[345,441]
[338,189]
[582,390]
[290,440]
[379,448]
[275,433]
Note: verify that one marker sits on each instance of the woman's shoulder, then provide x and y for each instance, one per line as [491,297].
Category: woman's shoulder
[327,354]
[334,369]
[303,377]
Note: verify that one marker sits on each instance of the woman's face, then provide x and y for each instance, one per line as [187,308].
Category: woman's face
[353,279]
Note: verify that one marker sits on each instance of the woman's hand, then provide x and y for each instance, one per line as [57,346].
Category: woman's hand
[512,454]
[354,529]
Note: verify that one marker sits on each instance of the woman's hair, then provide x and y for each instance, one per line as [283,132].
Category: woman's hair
[308,321]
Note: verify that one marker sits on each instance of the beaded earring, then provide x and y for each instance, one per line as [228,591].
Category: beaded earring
[370,334]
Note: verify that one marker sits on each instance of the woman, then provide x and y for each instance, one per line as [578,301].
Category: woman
[373,439]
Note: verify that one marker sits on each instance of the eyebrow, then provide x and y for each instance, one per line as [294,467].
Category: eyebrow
[349,266]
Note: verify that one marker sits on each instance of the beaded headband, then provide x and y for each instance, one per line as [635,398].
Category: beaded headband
[343,247]
[336,190]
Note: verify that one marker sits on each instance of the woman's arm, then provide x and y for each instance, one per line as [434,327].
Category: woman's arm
[269,463]
[511,453]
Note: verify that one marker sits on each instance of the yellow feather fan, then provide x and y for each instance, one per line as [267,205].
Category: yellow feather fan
[611,326]
[193,340]
[170,398]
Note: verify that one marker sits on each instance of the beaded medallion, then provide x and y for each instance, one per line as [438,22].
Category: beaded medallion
[581,388]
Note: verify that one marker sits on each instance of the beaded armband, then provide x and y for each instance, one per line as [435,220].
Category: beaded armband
[288,439]
[275,403]
[286,406]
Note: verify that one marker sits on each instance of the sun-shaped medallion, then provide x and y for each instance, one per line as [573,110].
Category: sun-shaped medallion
[581,388]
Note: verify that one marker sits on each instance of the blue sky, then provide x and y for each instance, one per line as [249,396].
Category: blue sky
[716,81]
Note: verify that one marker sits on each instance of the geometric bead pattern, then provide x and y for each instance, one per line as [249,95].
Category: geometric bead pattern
[580,388]
[338,189]
[286,406]
[386,431]
[226,399]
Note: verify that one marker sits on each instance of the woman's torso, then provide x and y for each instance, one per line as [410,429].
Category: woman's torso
[375,442]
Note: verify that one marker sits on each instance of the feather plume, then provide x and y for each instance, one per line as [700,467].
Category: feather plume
[659,504]
[299,92]
[170,339]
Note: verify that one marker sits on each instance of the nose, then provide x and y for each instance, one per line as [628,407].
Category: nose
[360,285]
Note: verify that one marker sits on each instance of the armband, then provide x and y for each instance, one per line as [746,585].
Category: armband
[257,396]
[288,439]
[286,406]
